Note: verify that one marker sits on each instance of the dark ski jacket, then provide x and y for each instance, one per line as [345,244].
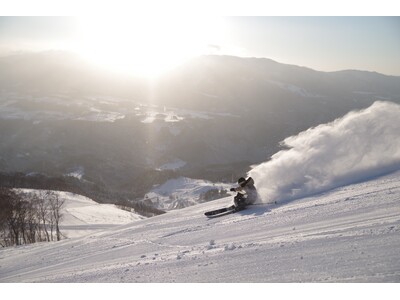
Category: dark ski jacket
[249,190]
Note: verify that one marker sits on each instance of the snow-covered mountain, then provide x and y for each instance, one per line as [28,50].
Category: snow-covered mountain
[349,234]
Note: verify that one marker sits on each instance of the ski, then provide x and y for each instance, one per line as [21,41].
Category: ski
[219,211]
[222,211]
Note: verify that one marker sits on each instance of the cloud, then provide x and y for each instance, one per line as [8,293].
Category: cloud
[361,145]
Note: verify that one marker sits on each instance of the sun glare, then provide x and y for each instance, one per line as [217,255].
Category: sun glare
[146,46]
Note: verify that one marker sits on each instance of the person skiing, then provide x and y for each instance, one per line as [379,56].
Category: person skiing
[246,193]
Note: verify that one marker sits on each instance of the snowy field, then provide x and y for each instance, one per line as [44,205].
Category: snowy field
[348,234]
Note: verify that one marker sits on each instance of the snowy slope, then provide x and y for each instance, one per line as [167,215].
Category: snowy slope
[349,234]
[329,224]
[82,215]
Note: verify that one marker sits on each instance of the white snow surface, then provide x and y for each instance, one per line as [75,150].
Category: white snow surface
[348,234]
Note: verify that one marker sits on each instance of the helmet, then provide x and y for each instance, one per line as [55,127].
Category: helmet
[241,181]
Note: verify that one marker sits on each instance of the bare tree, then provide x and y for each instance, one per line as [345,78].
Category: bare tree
[25,218]
[44,211]
[21,212]
[32,219]
[55,205]
[11,206]
[4,213]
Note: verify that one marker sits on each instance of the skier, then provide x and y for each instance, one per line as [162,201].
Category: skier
[247,193]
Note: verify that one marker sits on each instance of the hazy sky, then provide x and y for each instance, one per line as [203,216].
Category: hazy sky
[155,44]
[323,43]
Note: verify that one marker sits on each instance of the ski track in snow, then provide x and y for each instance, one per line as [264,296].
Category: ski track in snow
[349,234]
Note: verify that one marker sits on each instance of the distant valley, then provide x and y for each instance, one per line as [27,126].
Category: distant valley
[211,118]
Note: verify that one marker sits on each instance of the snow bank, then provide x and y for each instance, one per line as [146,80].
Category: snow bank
[358,146]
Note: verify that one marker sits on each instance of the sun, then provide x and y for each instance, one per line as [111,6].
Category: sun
[145,46]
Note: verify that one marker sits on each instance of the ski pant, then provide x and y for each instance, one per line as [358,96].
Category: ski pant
[240,201]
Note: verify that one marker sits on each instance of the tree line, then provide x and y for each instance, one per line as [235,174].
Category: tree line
[27,218]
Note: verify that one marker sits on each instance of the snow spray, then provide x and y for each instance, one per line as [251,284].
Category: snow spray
[359,146]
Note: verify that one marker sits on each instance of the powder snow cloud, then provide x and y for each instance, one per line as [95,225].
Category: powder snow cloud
[358,146]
